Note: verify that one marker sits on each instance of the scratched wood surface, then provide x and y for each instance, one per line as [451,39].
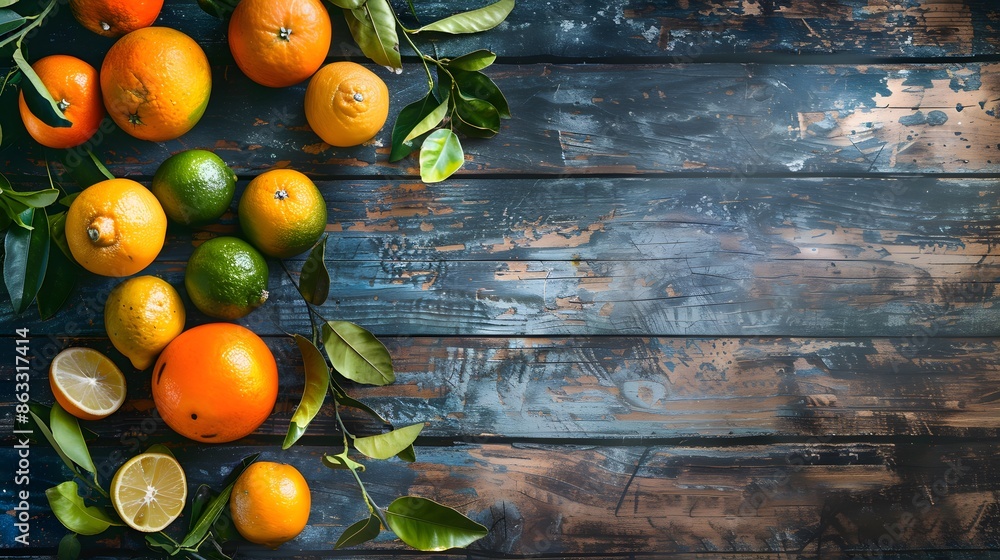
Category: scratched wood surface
[724,287]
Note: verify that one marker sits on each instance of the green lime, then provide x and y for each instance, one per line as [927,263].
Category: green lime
[194,187]
[226,278]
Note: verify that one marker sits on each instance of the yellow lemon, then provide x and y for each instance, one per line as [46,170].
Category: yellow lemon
[142,315]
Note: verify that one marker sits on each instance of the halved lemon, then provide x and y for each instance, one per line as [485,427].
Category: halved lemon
[86,383]
[149,491]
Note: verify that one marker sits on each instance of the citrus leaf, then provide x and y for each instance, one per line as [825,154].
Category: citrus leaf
[69,547]
[429,526]
[357,354]
[360,532]
[373,27]
[37,97]
[342,461]
[26,256]
[61,275]
[86,169]
[57,234]
[384,446]
[409,454]
[314,283]
[476,117]
[343,399]
[317,382]
[476,60]
[69,509]
[472,21]
[5,3]
[161,542]
[216,505]
[202,496]
[44,428]
[33,199]
[479,85]
[429,122]
[440,156]
[347,4]
[13,210]
[9,20]
[408,118]
[66,431]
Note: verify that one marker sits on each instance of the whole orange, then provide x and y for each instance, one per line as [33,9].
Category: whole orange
[114,18]
[215,383]
[346,104]
[282,213]
[76,88]
[156,83]
[279,43]
[115,227]
[270,503]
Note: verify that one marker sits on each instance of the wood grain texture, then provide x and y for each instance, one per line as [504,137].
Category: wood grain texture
[815,499]
[730,119]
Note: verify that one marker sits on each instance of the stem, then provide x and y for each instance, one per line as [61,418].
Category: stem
[36,21]
[368,499]
[406,35]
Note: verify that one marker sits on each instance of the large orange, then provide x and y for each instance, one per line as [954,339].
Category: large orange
[282,213]
[156,83]
[75,87]
[270,503]
[279,43]
[215,383]
[346,104]
[115,227]
[114,18]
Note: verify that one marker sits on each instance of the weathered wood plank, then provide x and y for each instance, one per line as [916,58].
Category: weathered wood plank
[615,388]
[728,119]
[820,499]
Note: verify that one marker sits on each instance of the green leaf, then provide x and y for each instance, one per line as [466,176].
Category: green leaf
[66,431]
[202,496]
[161,542]
[61,276]
[26,257]
[472,21]
[6,3]
[69,547]
[57,234]
[360,532]
[409,454]
[86,169]
[430,122]
[9,19]
[384,446]
[34,199]
[342,461]
[440,156]
[317,382]
[373,27]
[476,60]
[11,126]
[69,509]
[357,354]
[314,283]
[216,505]
[37,97]
[347,4]
[343,399]
[408,118]
[13,210]
[429,526]
[479,85]
[476,117]
[44,428]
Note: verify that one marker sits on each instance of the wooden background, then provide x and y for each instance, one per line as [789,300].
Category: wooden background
[725,286]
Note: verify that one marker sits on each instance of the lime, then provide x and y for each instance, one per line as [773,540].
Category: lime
[226,278]
[194,187]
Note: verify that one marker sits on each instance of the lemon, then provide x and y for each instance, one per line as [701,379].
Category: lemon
[195,187]
[226,278]
[86,383]
[142,315]
[149,491]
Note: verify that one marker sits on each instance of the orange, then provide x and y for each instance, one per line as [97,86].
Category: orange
[282,213]
[114,18]
[215,383]
[270,503]
[279,43]
[115,227]
[346,104]
[75,87]
[156,83]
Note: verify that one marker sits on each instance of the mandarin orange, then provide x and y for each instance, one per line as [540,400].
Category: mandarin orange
[279,43]
[76,88]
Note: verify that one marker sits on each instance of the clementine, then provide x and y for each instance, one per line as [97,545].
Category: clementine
[346,104]
[270,503]
[114,18]
[282,213]
[76,88]
[156,83]
[279,43]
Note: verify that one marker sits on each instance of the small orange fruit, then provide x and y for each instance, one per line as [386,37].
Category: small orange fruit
[114,18]
[215,383]
[279,43]
[270,503]
[282,213]
[115,227]
[76,88]
[346,104]
[156,82]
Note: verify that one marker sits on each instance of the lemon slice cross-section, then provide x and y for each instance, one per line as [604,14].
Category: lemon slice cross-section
[149,491]
[86,383]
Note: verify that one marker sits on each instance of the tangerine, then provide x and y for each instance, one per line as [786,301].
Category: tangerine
[76,89]
[346,104]
[114,18]
[270,503]
[279,43]
[282,213]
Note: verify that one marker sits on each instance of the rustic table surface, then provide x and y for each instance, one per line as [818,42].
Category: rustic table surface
[725,284]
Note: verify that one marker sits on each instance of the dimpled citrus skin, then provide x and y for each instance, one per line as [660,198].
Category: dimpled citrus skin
[270,503]
[215,383]
[282,213]
[142,315]
[114,18]
[156,82]
[279,44]
[76,87]
[346,104]
[115,227]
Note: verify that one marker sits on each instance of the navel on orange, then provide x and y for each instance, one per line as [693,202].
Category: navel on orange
[279,43]
[115,227]
[75,86]
[156,82]
[282,213]
[114,18]
[346,104]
